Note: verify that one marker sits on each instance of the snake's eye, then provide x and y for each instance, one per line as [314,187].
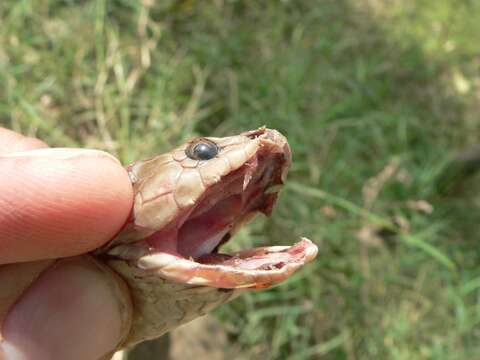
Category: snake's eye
[202,150]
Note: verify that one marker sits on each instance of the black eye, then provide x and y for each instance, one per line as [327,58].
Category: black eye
[204,150]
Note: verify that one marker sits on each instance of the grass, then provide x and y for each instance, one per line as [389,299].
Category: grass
[374,97]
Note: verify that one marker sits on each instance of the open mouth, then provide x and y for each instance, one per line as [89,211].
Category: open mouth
[188,249]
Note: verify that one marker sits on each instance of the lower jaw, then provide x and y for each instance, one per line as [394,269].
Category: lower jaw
[253,268]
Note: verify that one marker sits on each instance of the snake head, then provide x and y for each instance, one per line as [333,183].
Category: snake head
[188,203]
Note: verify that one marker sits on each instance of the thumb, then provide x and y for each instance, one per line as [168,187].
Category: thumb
[75,309]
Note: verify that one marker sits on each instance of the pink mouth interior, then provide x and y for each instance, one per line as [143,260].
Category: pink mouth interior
[198,234]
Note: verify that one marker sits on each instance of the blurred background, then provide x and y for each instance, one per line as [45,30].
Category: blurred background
[375,97]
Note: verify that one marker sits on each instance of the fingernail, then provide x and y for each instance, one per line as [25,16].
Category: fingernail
[77,309]
[61,154]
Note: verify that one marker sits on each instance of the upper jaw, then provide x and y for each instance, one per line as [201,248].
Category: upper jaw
[238,196]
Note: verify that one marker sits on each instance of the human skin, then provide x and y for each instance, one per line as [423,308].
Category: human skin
[56,204]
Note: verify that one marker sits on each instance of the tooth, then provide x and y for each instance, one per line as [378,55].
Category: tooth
[246,180]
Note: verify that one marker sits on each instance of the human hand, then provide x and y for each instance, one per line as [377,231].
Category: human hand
[56,204]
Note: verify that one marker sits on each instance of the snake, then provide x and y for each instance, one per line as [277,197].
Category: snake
[187,204]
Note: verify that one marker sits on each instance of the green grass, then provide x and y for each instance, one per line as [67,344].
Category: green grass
[374,98]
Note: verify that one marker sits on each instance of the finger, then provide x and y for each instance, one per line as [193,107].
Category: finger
[60,202]
[10,141]
[76,309]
